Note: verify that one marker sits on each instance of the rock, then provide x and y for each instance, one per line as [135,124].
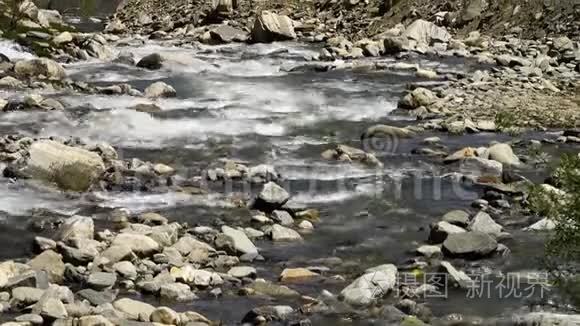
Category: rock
[469,245]
[146,107]
[242,272]
[273,290]
[429,251]
[50,262]
[306,225]
[417,98]
[153,61]
[94,320]
[71,168]
[426,33]
[8,269]
[101,280]
[562,43]
[441,230]
[97,298]
[460,155]
[165,316]
[151,218]
[24,278]
[265,314]
[481,167]
[282,217]
[228,34]
[197,277]
[177,292]
[163,170]
[9,82]
[133,309]
[33,319]
[270,27]
[395,44]
[371,286]
[160,89]
[456,217]
[512,61]
[387,131]
[297,275]
[271,197]
[241,242]
[139,244]
[113,254]
[193,318]
[35,68]
[544,224]
[50,308]
[502,153]
[426,73]
[62,38]
[76,227]
[482,222]
[26,295]
[115,27]
[126,269]
[458,277]
[280,233]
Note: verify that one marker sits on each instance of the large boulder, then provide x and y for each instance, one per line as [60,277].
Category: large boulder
[139,244]
[426,33]
[270,27]
[472,244]
[395,44]
[133,309]
[51,263]
[502,153]
[49,17]
[70,168]
[483,222]
[371,286]
[35,68]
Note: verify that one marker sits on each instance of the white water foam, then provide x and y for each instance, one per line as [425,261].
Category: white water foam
[14,51]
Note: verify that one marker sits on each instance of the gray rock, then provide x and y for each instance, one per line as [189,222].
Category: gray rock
[177,292]
[101,280]
[50,308]
[271,197]
[242,271]
[160,89]
[43,244]
[469,245]
[273,290]
[35,68]
[228,34]
[133,309]
[269,27]
[151,218]
[502,153]
[417,98]
[139,244]
[30,319]
[50,262]
[482,222]
[456,217]
[96,298]
[241,242]
[441,230]
[458,277]
[281,233]
[544,224]
[165,316]
[478,166]
[371,286]
[429,251]
[76,227]
[426,33]
[258,315]
[70,168]
[153,61]
[126,269]
[26,295]
[94,320]
[282,217]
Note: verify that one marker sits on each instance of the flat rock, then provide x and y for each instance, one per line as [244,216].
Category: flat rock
[471,244]
[133,309]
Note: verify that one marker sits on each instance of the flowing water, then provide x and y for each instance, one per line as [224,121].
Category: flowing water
[245,103]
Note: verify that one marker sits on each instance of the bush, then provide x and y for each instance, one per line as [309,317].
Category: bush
[563,207]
